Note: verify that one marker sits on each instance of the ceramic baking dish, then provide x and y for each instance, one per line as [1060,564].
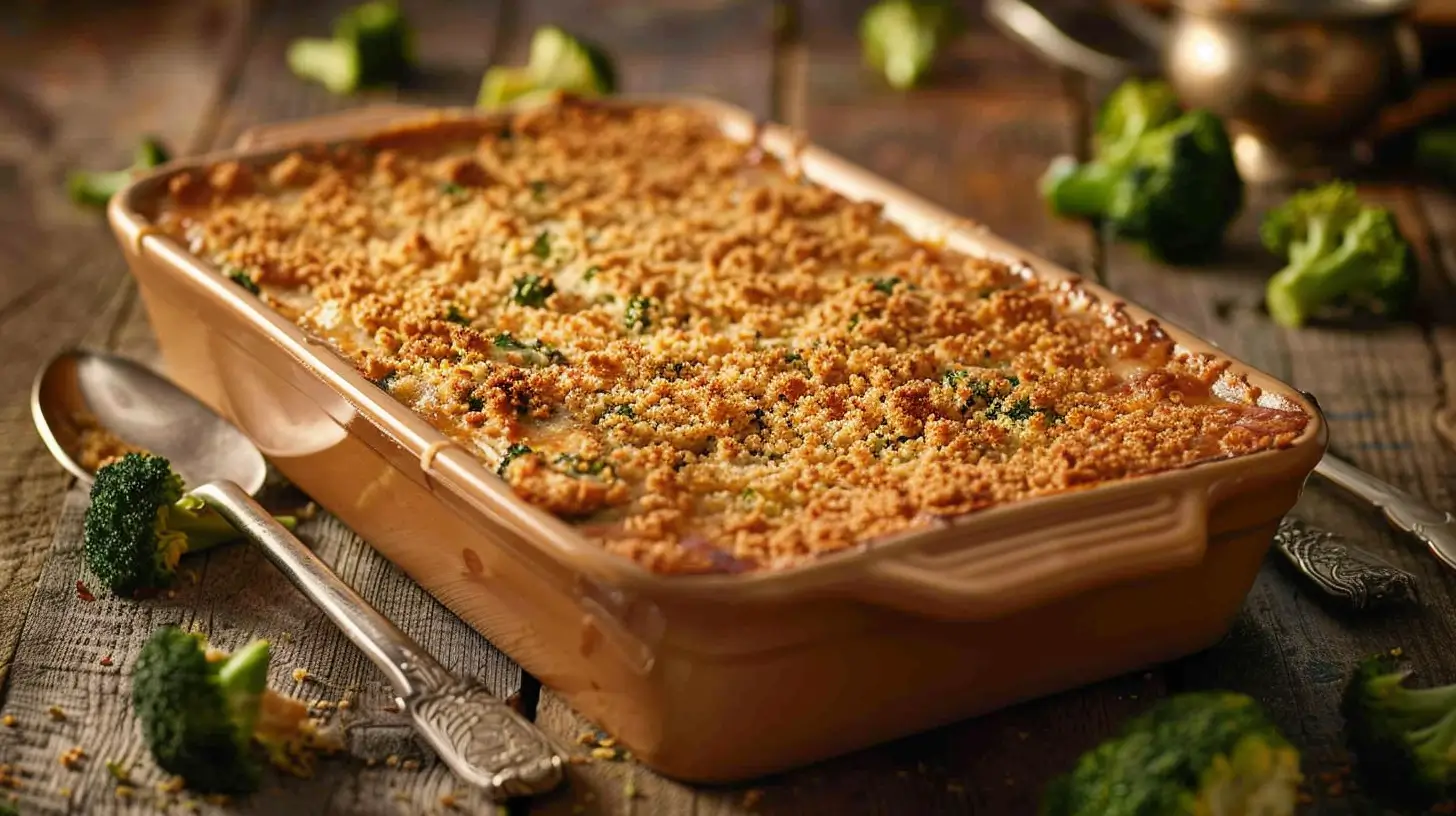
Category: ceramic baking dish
[724,677]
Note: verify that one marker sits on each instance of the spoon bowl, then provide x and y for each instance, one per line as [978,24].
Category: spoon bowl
[80,391]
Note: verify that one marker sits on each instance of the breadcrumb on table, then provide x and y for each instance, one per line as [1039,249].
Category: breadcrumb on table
[707,363]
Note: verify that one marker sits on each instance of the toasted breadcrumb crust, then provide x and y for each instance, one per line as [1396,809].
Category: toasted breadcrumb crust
[704,360]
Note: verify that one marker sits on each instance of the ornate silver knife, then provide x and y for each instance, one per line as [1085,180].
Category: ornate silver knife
[1342,571]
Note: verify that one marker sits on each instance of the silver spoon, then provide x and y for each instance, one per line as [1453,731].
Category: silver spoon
[483,740]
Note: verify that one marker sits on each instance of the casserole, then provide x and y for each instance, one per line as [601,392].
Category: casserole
[714,677]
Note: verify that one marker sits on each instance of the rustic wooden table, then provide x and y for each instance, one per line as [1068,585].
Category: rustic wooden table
[82,81]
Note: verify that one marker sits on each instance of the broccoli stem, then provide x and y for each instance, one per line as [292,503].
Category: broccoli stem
[330,62]
[1426,703]
[1081,190]
[1314,277]
[204,527]
[243,677]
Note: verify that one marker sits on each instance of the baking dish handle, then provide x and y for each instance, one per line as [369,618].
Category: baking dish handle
[326,128]
[1010,568]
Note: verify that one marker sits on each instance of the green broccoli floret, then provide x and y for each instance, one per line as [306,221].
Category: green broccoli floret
[900,38]
[95,189]
[1404,739]
[1199,753]
[372,46]
[1343,254]
[558,62]
[1131,111]
[1174,189]
[1435,152]
[140,523]
[202,711]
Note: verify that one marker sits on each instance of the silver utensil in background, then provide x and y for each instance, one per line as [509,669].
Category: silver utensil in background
[1302,84]
[479,737]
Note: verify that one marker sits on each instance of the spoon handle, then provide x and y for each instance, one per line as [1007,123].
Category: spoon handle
[481,739]
[1434,528]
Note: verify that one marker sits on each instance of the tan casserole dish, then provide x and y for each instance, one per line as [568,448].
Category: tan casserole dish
[723,677]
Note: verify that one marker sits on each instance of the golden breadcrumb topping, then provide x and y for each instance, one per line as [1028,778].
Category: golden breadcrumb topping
[704,360]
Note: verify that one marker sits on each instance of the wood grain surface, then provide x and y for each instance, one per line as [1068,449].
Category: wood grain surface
[81,81]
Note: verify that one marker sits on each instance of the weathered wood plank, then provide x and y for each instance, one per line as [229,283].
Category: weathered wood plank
[239,594]
[66,102]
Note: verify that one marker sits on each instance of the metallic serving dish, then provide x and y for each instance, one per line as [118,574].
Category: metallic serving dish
[724,677]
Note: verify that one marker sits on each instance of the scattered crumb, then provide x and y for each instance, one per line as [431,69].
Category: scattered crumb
[125,791]
[307,511]
[603,753]
[752,797]
[70,759]
[392,761]
[370,762]
[83,593]
[629,788]
[9,721]
[65,793]
[8,779]
[170,594]
[449,801]
[173,785]
[410,765]
[56,713]
[106,660]
[191,804]
[578,759]
[217,799]
[344,704]
[585,738]
[1397,652]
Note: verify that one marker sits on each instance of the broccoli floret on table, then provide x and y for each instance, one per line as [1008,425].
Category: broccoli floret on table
[1343,254]
[140,523]
[201,713]
[900,38]
[1404,739]
[558,61]
[95,188]
[1132,110]
[372,46]
[1172,187]
[1198,753]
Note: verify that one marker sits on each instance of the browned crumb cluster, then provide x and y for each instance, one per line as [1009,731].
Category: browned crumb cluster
[708,363]
[99,446]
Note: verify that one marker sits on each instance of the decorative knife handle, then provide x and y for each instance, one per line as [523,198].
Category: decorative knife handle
[483,740]
[1342,571]
[1435,528]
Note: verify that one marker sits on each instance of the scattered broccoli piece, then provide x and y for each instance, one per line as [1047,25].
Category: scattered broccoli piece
[454,315]
[574,464]
[372,46]
[1132,110]
[900,38]
[532,290]
[541,247]
[140,523]
[885,285]
[1203,752]
[1342,253]
[243,279]
[637,316]
[514,452]
[547,353]
[558,62]
[201,713]
[1173,188]
[95,189]
[1404,739]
